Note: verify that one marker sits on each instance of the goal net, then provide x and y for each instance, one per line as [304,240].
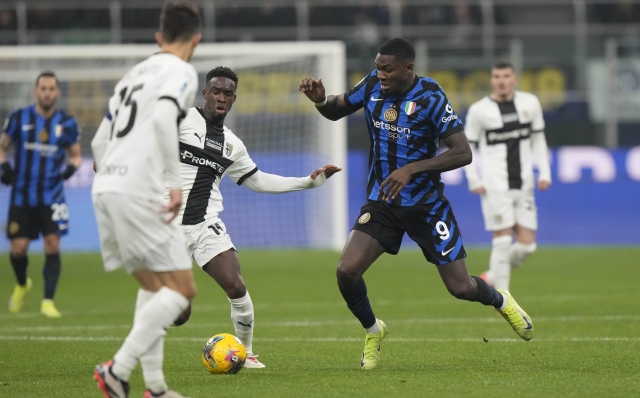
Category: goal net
[282,130]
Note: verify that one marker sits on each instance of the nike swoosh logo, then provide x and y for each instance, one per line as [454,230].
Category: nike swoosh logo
[529,325]
[27,127]
[376,99]
[447,252]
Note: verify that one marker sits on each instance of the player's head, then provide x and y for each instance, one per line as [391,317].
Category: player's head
[219,93]
[503,79]
[46,90]
[180,26]
[394,64]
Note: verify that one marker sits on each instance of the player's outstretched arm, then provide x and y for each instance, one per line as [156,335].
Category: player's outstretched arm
[541,153]
[272,183]
[458,155]
[333,107]
[6,172]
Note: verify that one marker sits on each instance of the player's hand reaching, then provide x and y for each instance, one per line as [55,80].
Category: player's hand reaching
[173,208]
[313,89]
[398,179]
[7,174]
[481,190]
[328,171]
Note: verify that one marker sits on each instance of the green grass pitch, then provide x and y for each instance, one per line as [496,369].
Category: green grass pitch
[585,304]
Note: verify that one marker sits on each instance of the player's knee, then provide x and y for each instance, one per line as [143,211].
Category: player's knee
[236,290]
[184,317]
[347,273]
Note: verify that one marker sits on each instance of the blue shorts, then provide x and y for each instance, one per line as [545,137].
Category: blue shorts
[432,226]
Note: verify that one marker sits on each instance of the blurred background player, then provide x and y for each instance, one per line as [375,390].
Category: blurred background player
[203,135]
[406,116]
[41,134]
[136,154]
[508,128]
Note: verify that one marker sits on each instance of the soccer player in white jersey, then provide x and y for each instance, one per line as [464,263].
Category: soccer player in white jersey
[208,152]
[136,152]
[508,127]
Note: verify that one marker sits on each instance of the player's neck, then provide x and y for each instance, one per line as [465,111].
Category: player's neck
[179,49]
[408,84]
[503,98]
[45,113]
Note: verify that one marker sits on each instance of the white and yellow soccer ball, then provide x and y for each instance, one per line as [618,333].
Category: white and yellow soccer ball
[224,353]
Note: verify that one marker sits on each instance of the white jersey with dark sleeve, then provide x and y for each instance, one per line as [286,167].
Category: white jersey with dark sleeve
[208,152]
[508,135]
[136,145]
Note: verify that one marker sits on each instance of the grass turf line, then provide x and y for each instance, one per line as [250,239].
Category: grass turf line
[311,343]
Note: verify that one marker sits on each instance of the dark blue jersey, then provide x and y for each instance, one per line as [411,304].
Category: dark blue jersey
[39,154]
[404,129]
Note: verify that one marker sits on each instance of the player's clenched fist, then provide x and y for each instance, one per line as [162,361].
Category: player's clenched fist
[313,89]
[328,171]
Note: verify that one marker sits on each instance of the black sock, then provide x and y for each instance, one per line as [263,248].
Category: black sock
[51,273]
[358,303]
[19,264]
[486,294]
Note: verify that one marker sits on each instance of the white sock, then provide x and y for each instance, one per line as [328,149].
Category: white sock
[375,329]
[499,265]
[149,325]
[243,320]
[520,251]
[505,301]
[151,361]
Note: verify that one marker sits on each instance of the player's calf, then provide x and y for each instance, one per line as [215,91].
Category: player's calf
[184,317]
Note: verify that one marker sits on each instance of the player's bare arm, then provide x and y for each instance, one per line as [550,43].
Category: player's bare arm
[458,155]
[75,159]
[335,107]
[6,170]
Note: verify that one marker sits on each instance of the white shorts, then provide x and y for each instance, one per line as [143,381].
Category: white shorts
[206,240]
[504,210]
[134,235]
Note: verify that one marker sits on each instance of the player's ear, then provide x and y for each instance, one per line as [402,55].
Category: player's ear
[410,67]
[159,38]
[196,39]
[204,93]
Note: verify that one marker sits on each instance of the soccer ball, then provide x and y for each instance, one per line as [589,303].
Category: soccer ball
[224,353]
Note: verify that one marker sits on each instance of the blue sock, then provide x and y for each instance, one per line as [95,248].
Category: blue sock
[19,264]
[358,303]
[486,294]
[51,273]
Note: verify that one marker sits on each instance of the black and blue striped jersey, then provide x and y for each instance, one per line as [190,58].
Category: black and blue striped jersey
[39,145]
[404,129]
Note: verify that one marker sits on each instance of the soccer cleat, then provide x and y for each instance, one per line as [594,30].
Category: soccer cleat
[517,318]
[48,309]
[252,362]
[111,386]
[165,394]
[16,301]
[371,354]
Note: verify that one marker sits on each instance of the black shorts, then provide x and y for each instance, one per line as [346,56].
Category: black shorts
[29,222]
[432,226]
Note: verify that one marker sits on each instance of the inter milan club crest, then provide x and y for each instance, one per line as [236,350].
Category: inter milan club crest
[409,107]
[364,218]
[43,136]
[390,115]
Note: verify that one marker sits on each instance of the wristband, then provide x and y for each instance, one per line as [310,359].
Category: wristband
[69,171]
[321,103]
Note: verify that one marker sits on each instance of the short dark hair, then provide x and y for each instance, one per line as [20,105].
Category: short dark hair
[179,21]
[398,47]
[47,73]
[221,71]
[504,65]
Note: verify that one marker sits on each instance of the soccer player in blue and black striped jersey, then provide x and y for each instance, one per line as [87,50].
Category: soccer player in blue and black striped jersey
[40,134]
[406,116]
